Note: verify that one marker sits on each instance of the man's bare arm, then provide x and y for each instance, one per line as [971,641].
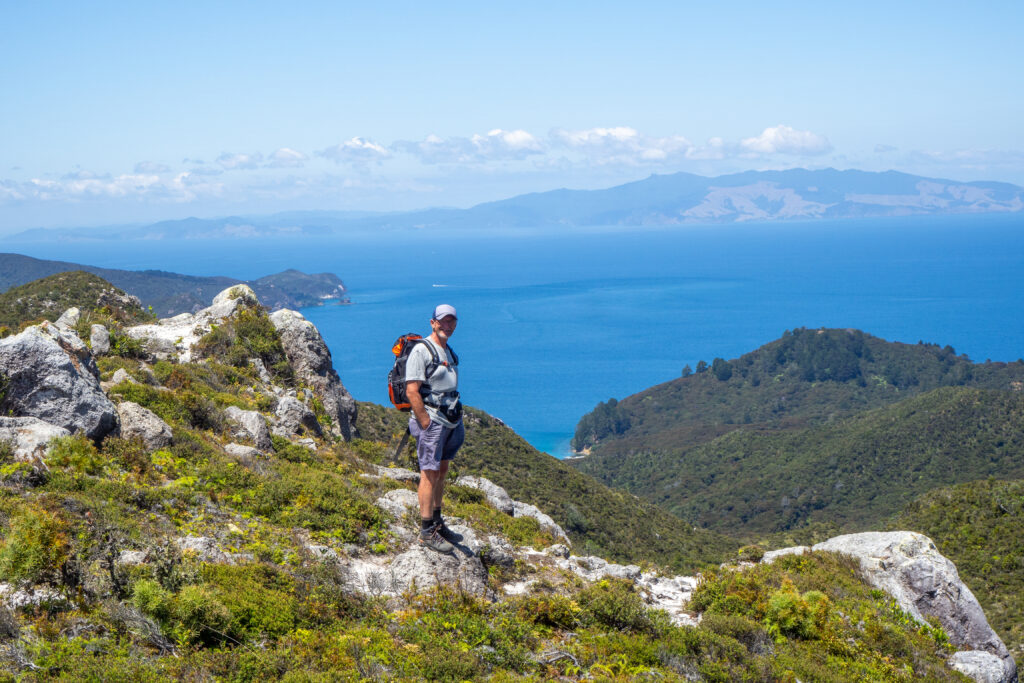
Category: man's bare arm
[412,391]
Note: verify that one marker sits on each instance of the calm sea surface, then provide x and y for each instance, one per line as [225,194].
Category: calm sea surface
[551,324]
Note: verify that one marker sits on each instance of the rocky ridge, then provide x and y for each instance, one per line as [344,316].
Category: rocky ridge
[487,564]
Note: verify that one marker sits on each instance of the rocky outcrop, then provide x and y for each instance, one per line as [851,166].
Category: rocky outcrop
[495,495]
[99,340]
[48,373]
[499,498]
[249,425]
[979,665]
[546,523]
[175,337]
[398,501]
[924,583]
[29,436]
[294,418]
[137,421]
[311,360]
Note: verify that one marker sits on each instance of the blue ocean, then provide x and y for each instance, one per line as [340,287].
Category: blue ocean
[552,322]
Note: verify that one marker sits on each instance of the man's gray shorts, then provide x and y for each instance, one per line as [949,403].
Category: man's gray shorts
[436,442]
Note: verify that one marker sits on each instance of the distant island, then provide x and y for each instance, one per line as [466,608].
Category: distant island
[660,200]
[173,293]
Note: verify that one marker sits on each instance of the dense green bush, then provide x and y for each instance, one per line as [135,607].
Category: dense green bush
[35,547]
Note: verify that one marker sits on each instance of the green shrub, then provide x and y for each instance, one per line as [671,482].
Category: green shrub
[77,454]
[747,632]
[258,598]
[614,603]
[792,614]
[199,617]
[153,599]
[249,334]
[35,548]
[750,553]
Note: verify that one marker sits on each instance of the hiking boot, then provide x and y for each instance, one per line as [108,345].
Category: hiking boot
[430,538]
[447,534]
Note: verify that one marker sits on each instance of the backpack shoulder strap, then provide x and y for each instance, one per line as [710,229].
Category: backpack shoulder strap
[435,360]
[455,356]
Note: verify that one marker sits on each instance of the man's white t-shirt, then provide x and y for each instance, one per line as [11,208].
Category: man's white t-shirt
[443,382]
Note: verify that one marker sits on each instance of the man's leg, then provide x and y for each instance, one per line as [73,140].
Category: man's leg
[438,488]
[428,449]
[431,481]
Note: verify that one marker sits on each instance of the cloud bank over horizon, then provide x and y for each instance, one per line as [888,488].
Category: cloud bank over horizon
[367,174]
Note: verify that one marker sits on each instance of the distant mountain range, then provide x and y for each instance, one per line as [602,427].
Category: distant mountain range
[660,200]
[173,293]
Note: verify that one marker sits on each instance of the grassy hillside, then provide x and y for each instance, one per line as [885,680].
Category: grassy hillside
[599,520]
[94,537]
[980,527]
[49,297]
[850,473]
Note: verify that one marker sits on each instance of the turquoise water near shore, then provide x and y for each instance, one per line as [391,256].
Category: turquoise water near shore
[550,324]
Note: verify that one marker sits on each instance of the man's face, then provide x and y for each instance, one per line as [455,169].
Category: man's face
[444,327]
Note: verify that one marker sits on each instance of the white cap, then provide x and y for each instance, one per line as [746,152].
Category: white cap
[443,311]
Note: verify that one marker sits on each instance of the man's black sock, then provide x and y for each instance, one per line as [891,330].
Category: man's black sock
[437,515]
[426,524]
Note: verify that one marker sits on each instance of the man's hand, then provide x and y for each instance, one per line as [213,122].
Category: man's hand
[412,391]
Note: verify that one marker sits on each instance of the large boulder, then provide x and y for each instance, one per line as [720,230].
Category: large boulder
[295,418]
[145,424]
[47,372]
[422,569]
[249,425]
[924,583]
[174,337]
[311,360]
[29,436]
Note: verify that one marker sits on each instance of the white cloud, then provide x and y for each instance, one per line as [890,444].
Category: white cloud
[287,158]
[622,145]
[151,167]
[882,149]
[357,151]
[496,145]
[786,140]
[231,162]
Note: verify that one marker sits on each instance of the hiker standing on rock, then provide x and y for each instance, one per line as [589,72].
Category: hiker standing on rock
[432,382]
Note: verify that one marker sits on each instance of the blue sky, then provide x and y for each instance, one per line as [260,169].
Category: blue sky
[126,112]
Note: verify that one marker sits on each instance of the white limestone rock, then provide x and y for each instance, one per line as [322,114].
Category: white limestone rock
[423,569]
[546,523]
[981,666]
[398,474]
[131,558]
[69,319]
[670,593]
[29,436]
[250,425]
[145,424]
[398,502]
[772,555]
[294,418]
[311,360]
[52,376]
[924,583]
[99,340]
[494,494]
[174,337]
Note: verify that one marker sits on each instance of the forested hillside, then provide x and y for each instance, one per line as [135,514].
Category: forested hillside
[825,427]
[173,293]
